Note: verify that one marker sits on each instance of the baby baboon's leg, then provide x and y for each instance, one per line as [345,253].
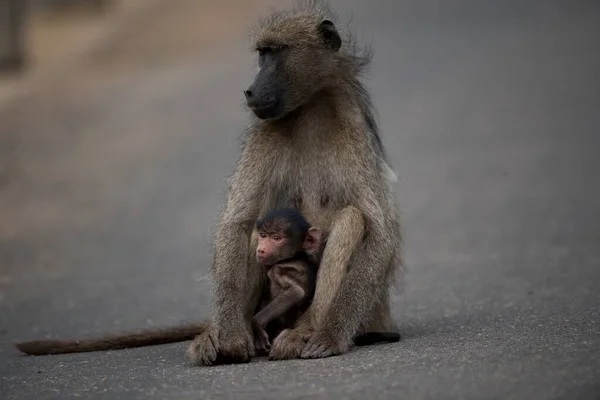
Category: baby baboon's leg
[346,233]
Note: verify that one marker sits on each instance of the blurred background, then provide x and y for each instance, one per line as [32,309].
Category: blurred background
[119,125]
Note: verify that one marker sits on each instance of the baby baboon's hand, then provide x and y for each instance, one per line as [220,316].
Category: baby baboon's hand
[262,345]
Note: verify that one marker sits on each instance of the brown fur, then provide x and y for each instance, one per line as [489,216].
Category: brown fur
[325,156]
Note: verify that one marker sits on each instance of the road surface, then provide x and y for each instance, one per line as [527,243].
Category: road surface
[113,175]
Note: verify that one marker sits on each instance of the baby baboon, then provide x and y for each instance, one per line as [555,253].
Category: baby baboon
[313,144]
[288,247]
[291,250]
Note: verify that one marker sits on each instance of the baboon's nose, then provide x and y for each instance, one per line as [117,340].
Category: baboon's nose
[248,94]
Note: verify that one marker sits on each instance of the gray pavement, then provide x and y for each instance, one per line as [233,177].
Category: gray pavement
[490,112]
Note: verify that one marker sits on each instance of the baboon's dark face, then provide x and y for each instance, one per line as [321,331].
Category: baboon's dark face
[266,95]
[295,59]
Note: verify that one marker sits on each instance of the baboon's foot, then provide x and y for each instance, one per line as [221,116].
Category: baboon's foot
[215,346]
[322,344]
[288,345]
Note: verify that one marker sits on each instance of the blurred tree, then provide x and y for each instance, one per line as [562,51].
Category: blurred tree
[12,34]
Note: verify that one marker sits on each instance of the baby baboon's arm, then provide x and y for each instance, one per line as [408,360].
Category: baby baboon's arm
[280,305]
[277,308]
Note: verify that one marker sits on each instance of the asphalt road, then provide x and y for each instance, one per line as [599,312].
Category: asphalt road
[490,113]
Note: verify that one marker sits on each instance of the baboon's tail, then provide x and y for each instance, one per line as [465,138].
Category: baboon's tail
[113,342]
[376,337]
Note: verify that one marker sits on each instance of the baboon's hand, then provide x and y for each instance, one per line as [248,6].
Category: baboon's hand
[324,344]
[203,349]
[235,346]
[288,344]
[220,346]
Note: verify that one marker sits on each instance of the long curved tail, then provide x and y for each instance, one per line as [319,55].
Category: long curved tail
[113,342]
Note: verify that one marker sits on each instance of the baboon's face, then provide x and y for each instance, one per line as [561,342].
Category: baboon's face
[294,62]
[266,95]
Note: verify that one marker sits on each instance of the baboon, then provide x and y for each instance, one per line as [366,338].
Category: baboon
[312,144]
[291,250]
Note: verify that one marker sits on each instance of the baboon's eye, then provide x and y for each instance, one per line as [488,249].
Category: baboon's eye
[264,50]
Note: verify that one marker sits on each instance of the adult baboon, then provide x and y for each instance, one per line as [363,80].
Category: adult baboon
[313,144]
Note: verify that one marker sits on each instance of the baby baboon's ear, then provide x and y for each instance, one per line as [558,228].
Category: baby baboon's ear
[330,35]
[313,241]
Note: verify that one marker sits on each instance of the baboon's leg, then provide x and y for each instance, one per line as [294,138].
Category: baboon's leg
[380,318]
[359,301]
[218,344]
[346,233]
[256,281]
[370,272]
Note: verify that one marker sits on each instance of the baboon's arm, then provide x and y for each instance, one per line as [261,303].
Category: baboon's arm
[345,236]
[367,272]
[235,280]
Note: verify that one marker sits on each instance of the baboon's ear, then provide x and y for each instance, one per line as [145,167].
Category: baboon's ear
[330,35]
